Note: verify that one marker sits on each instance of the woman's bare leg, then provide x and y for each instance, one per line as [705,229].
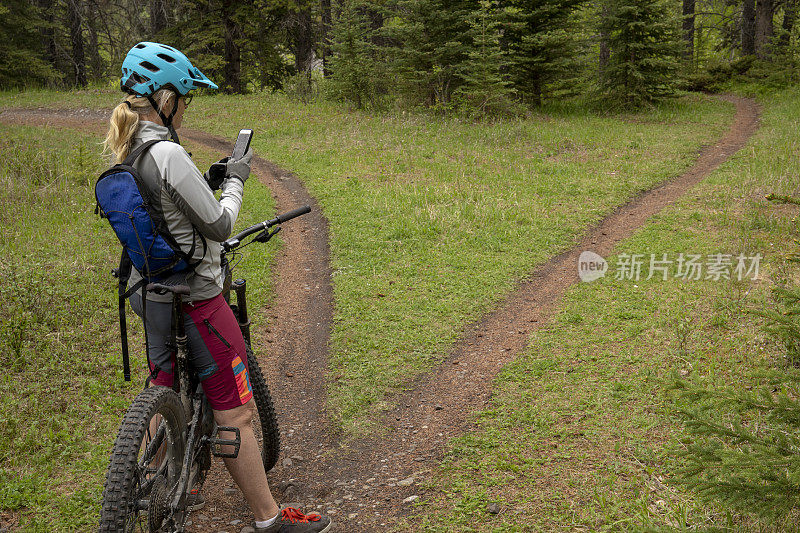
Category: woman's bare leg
[247,470]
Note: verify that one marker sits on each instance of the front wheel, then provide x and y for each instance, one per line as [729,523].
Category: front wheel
[265,424]
[146,463]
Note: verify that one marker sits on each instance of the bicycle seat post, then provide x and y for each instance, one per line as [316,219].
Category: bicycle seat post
[179,345]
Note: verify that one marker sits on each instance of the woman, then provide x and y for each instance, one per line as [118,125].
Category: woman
[159,80]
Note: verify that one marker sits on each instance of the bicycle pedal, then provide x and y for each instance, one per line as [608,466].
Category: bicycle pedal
[217,443]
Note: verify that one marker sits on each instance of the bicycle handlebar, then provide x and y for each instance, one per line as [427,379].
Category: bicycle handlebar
[236,240]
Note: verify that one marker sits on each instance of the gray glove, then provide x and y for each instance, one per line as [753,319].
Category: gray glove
[226,168]
[239,168]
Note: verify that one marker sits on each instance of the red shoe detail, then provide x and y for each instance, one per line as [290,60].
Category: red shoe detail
[294,515]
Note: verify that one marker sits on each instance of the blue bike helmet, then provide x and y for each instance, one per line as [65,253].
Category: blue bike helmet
[149,67]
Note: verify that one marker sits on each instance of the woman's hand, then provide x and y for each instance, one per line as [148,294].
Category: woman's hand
[217,173]
[239,168]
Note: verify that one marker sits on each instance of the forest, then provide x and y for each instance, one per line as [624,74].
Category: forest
[479,56]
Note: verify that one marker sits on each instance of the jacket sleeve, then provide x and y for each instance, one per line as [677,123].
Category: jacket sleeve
[191,194]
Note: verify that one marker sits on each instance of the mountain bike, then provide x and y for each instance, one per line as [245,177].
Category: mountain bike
[164,446]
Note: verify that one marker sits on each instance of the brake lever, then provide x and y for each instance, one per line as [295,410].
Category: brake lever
[266,235]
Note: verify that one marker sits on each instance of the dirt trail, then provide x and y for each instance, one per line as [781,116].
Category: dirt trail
[363,483]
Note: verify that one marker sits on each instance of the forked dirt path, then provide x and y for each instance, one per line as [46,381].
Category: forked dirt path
[363,483]
[366,481]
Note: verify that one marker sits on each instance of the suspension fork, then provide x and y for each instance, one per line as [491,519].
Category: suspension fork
[188,473]
[240,286]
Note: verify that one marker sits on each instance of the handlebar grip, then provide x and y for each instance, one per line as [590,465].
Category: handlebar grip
[294,213]
[234,241]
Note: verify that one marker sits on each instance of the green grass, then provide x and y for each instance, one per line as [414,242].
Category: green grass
[580,434]
[432,220]
[62,395]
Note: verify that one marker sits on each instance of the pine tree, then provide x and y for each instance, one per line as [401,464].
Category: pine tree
[486,88]
[355,73]
[644,41]
[743,446]
[542,42]
[22,60]
[429,40]
[234,42]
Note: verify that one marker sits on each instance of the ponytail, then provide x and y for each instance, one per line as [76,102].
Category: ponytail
[123,125]
[125,122]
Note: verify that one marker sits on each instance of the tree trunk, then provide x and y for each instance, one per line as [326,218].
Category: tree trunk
[95,61]
[765,10]
[326,28]
[76,40]
[232,70]
[536,92]
[158,16]
[605,51]
[789,16]
[748,27]
[301,37]
[688,29]
[47,31]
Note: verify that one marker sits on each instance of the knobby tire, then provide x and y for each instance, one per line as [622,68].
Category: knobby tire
[122,493]
[266,422]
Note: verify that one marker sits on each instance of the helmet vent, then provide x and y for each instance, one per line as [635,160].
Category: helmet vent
[165,57]
[149,66]
[140,46]
[168,48]
[138,78]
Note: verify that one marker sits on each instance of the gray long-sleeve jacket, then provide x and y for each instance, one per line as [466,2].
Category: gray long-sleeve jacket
[189,207]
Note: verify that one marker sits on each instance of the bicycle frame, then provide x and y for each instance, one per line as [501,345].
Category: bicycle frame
[199,433]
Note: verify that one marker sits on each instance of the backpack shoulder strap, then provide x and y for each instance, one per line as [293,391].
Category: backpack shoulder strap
[134,155]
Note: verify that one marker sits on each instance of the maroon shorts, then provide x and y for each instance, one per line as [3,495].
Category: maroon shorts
[217,349]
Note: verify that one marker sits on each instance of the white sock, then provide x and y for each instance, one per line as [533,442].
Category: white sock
[267,523]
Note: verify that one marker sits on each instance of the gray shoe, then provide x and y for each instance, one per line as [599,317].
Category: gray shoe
[293,521]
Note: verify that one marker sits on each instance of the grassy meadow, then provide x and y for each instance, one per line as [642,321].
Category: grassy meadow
[432,220]
[581,433]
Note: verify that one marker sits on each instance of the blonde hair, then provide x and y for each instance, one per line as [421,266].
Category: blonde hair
[125,119]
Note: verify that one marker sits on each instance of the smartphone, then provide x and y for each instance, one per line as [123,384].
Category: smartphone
[242,144]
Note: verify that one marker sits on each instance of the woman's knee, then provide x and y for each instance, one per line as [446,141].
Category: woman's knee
[238,416]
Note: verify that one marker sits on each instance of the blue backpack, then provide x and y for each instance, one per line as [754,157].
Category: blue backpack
[147,245]
[125,200]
